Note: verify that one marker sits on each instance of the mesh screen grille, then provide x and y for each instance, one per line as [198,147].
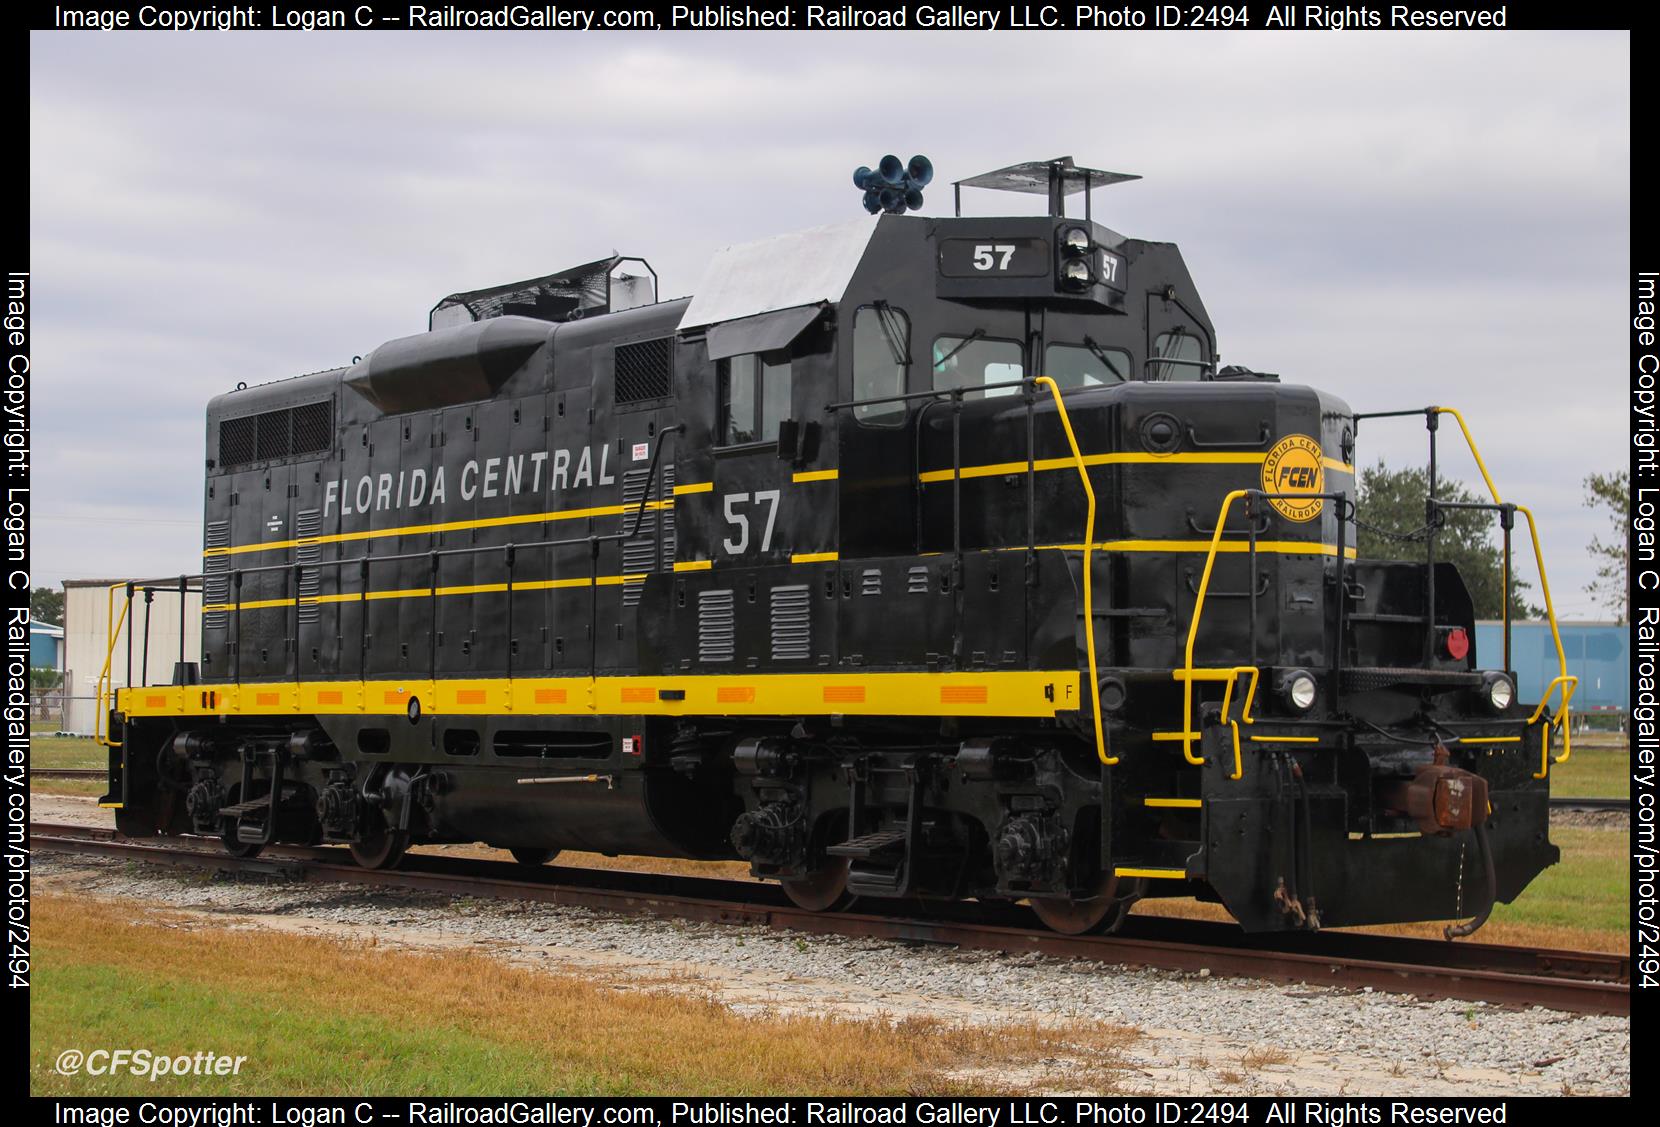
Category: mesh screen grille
[313,427]
[306,429]
[273,434]
[642,370]
[236,441]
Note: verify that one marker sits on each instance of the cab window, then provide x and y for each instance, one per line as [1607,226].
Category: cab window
[1082,365]
[974,362]
[881,350]
[1181,345]
[754,399]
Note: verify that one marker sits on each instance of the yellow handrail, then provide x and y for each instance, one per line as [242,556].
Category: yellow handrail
[104,687]
[1089,592]
[1564,678]
[1569,683]
[1187,672]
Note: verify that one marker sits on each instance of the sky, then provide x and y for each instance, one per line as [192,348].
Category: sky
[1400,218]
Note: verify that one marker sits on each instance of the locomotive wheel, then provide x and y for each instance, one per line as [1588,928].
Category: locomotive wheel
[381,847]
[535,858]
[824,890]
[1079,917]
[239,848]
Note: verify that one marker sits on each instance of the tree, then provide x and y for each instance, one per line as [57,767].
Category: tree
[1390,516]
[46,605]
[1612,586]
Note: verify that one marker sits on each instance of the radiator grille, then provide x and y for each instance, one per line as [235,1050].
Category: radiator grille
[283,433]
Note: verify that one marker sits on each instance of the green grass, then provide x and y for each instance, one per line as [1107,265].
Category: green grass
[1588,890]
[1600,766]
[293,1044]
[65,752]
[319,1016]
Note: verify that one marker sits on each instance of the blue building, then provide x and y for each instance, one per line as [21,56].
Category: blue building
[1599,654]
[45,646]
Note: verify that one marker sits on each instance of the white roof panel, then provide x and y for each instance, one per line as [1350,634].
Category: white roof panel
[800,268]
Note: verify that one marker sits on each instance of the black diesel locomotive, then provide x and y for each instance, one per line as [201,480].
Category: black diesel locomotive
[915,557]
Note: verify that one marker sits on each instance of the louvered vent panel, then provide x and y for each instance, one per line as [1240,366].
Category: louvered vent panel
[792,623]
[309,523]
[667,517]
[717,627]
[639,553]
[870,581]
[916,581]
[216,579]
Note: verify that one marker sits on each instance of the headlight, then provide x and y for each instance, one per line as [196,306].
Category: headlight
[1300,690]
[1076,273]
[1498,691]
[1076,241]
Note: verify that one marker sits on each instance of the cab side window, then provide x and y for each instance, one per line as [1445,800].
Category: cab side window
[754,399]
[974,362]
[881,352]
[1180,345]
[1081,365]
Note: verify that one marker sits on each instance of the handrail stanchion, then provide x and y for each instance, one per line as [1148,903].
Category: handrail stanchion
[144,659]
[1089,590]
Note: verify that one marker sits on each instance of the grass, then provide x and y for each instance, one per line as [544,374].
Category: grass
[1583,902]
[1600,767]
[65,752]
[317,1016]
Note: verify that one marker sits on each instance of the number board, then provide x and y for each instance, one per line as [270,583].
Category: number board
[1112,271]
[995,258]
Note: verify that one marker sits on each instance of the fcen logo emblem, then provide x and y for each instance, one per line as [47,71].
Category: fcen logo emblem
[1293,467]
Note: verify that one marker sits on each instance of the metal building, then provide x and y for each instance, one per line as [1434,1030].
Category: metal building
[1599,654]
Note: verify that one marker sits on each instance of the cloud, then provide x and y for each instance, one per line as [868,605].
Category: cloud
[1401,219]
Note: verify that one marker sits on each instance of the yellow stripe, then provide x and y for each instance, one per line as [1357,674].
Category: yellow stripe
[1490,740]
[981,694]
[693,565]
[1043,465]
[694,487]
[427,592]
[815,557]
[815,475]
[1236,547]
[1183,803]
[121,805]
[1155,874]
[447,526]
[1285,739]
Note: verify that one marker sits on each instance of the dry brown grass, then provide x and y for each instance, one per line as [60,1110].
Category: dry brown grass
[1262,1057]
[652,1040]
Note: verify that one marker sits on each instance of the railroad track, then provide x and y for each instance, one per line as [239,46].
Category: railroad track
[1555,803]
[1576,981]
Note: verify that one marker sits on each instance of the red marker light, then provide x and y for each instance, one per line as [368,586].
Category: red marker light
[1458,644]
